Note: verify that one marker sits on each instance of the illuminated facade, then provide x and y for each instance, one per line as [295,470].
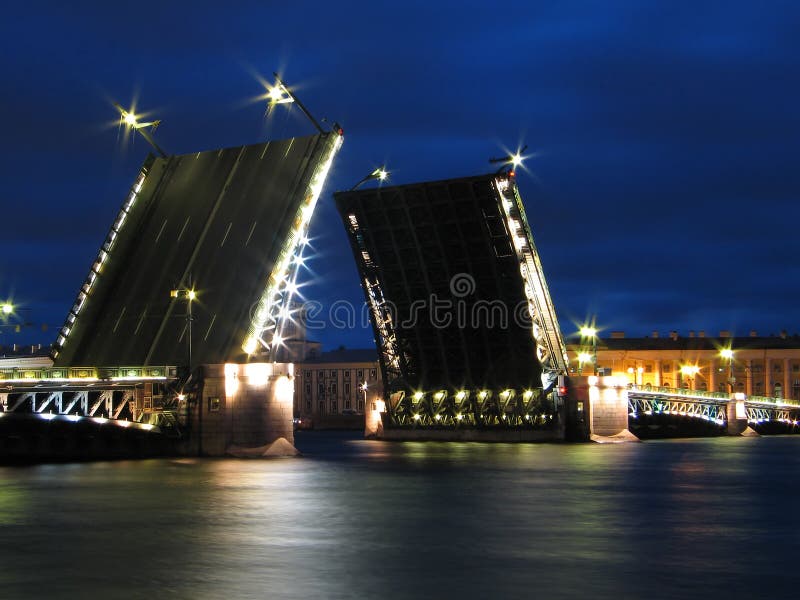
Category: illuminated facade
[759,366]
[333,383]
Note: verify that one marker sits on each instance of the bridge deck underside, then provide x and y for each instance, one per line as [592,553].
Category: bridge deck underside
[442,244]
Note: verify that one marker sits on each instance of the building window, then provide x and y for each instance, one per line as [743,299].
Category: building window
[321,389]
[321,375]
[333,388]
[347,390]
[308,405]
[308,389]
[334,407]
[666,368]
[308,374]
[347,404]
[361,374]
[648,368]
[333,373]
[360,406]
[321,407]
[372,373]
[347,374]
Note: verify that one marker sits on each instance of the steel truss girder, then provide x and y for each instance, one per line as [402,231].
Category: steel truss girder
[761,413]
[472,408]
[550,348]
[683,407]
[110,404]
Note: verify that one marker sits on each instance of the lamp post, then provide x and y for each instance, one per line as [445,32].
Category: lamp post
[131,120]
[189,295]
[728,354]
[591,332]
[381,174]
[364,389]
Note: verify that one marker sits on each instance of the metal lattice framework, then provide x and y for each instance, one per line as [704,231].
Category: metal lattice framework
[709,406]
[138,397]
[465,408]
[679,407]
[550,348]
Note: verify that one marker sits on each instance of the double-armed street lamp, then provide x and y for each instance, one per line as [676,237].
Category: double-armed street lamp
[583,358]
[591,332]
[689,372]
[727,353]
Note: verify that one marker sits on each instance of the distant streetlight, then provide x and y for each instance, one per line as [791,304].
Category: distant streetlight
[690,372]
[583,358]
[364,389]
[381,174]
[728,354]
[189,295]
[7,308]
[591,332]
[636,374]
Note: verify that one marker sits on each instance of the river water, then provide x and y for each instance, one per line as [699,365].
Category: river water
[703,518]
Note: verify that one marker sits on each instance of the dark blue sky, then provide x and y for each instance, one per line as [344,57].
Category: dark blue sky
[663,194]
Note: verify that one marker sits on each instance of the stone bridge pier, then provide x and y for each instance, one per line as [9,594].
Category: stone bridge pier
[241,407]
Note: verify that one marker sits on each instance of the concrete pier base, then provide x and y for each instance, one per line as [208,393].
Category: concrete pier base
[736,415]
[242,406]
[604,399]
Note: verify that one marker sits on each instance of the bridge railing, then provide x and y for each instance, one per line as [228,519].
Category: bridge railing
[84,374]
[670,391]
[772,401]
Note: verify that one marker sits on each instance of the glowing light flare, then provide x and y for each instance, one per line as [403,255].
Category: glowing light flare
[7,308]
[258,373]
[284,390]
[231,379]
[588,332]
[726,353]
[584,357]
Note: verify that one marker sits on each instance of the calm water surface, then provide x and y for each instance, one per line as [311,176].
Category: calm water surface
[708,518]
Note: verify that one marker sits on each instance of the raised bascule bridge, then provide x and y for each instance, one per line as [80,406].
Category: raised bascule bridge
[466,332]
[198,268]
[177,338]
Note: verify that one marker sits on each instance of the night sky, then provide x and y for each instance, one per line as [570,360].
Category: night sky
[662,186]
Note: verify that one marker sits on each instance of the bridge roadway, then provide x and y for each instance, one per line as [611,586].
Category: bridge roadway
[713,407]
